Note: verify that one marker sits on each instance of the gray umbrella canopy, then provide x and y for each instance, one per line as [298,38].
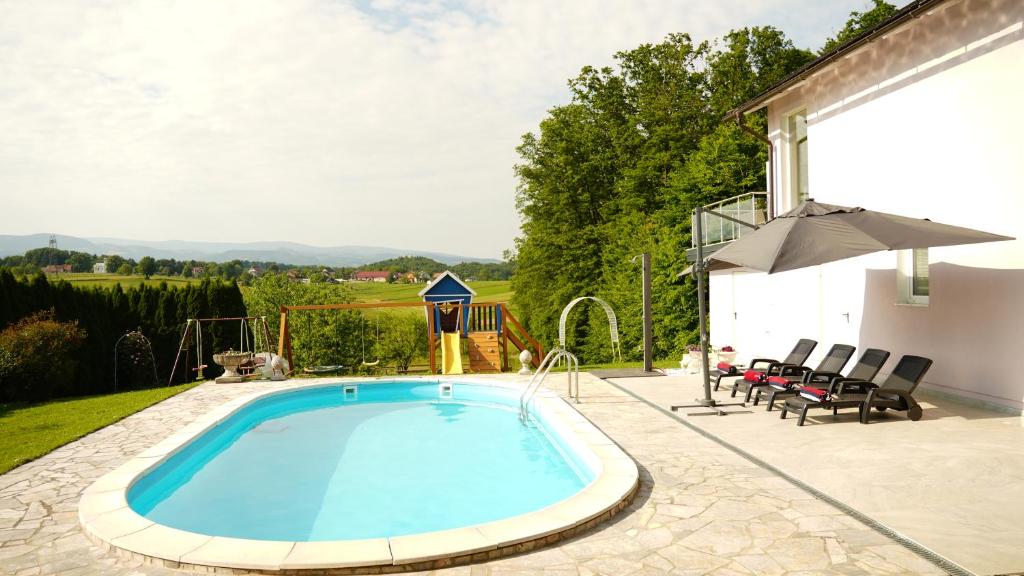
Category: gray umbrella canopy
[815,233]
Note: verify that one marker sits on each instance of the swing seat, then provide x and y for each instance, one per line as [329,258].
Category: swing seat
[374,363]
[201,367]
[323,369]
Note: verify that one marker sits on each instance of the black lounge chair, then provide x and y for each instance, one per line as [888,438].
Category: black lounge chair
[894,393]
[798,356]
[791,376]
[871,361]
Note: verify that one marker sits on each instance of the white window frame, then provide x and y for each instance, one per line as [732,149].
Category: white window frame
[792,146]
[905,279]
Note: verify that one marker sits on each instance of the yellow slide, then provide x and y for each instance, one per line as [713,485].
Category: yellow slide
[451,355]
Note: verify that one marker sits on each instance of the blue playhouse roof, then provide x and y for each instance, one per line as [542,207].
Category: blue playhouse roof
[447,284]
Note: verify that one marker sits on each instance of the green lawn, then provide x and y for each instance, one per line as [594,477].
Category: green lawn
[31,430]
[87,279]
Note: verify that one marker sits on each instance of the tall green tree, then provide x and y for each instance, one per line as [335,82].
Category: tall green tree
[319,337]
[147,266]
[618,170]
[859,22]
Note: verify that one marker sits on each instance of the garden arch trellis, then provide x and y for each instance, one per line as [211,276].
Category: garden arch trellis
[613,324]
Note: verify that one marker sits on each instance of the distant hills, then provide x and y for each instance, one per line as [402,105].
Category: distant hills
[285,252]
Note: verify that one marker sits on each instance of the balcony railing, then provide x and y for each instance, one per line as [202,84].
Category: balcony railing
[751,207]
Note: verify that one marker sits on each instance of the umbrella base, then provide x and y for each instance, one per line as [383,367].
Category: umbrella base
[715,407]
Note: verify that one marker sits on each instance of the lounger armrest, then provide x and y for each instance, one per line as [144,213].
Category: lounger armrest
[852,385]
[907,398]
[775,368]
[820,376]
[753,363]
[793,370]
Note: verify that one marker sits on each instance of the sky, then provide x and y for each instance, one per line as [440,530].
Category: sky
[325,122]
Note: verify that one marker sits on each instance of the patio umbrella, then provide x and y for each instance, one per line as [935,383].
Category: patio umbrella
[814,233]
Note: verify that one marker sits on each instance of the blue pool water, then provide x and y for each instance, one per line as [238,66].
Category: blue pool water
[389,459]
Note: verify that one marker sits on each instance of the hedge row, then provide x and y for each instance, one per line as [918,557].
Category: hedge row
[107,314]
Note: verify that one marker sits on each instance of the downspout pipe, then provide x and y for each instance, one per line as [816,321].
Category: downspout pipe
[771,161]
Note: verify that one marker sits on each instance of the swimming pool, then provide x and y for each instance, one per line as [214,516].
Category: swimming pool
[350,474]
[362,461]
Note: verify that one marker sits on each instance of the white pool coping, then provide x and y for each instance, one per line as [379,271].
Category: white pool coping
[106,516]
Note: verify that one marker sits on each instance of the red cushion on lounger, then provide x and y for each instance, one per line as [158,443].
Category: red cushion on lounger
[753,376]
[779,382]
[726,367]
[812,393]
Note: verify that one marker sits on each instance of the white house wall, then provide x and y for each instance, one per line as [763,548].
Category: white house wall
[925,122]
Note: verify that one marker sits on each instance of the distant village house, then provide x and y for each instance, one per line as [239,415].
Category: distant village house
[99,268]
[328,276]
[372,276]
[57,268]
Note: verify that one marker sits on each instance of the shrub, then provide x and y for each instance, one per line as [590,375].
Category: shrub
[7,365]
[403,338]
[107,314]
[319,337]
[42,350]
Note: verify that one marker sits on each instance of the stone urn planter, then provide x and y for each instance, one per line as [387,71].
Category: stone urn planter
[231,360]
[696,360]
[729,357]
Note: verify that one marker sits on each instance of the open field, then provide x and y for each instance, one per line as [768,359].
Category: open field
[31,430]
[486,291]
[88,279]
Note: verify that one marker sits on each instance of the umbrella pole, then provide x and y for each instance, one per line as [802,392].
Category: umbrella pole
[702,326]
[702,316]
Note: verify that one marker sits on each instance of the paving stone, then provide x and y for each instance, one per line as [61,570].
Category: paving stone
[800,553]
[699,509]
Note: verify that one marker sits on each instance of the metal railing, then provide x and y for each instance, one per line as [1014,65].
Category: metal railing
[751,207]
[552,358]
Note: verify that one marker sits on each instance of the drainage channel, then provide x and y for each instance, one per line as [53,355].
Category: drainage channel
[942,562]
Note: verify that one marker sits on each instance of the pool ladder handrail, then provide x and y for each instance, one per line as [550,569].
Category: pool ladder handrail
[553,357]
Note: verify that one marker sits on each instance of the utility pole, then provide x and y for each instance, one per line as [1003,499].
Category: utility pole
[51,255]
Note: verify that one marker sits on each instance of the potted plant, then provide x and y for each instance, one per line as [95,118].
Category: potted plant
[727,354]
[693,358]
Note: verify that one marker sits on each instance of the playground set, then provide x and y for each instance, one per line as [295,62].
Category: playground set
[487,329]
[490,334]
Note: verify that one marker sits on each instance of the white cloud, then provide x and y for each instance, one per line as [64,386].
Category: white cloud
[326,122]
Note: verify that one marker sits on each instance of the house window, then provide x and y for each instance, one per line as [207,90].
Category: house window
[798,157]
[912,277]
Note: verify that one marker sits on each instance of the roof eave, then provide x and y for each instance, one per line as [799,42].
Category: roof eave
[905,15]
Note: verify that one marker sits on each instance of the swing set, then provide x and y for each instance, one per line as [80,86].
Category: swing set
[193,330]
[335,368]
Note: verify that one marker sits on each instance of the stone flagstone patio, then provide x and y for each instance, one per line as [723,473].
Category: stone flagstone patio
[700,508]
